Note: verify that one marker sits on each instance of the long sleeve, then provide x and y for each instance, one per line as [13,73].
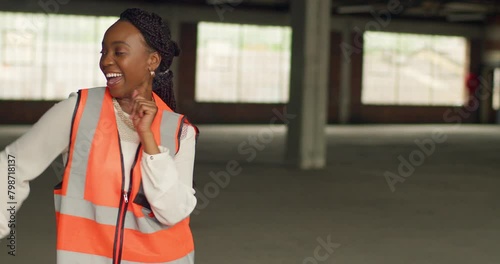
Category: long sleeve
[30,155]
[167,181]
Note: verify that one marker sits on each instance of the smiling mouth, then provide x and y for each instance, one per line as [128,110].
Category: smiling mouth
[113,78]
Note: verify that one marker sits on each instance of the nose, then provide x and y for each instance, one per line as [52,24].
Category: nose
[106,60]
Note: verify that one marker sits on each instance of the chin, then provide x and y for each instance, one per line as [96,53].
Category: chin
[115,93]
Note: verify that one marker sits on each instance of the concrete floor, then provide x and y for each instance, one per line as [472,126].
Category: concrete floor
[445,211]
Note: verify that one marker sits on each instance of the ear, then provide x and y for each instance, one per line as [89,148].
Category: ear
[154,60]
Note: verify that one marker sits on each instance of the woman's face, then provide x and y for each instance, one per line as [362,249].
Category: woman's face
[126,60]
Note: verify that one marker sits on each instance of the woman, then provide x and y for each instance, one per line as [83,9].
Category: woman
[126,193]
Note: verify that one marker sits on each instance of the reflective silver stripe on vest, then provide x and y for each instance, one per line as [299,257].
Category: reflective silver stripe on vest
[83,141]
[169,131]
[106,215]
[64,257]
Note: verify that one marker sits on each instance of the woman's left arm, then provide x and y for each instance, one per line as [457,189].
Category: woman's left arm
[168,181]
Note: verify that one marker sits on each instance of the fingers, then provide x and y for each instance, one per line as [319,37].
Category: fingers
[137,99]
[142,107]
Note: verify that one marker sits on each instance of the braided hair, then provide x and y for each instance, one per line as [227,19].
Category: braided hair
[157,36]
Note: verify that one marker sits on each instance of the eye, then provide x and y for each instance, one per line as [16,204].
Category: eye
[119,53]
[102,52]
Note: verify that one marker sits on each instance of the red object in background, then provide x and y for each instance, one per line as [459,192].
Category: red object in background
[472,84]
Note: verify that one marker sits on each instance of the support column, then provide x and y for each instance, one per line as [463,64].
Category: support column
[490,60]
[345,79]
[306,144]
[486,95]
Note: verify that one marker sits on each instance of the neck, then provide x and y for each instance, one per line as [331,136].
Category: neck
[127,103]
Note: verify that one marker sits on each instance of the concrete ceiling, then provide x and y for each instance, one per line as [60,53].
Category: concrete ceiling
[468,11]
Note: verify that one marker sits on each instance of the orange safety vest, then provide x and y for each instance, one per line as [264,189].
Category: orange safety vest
[97,221]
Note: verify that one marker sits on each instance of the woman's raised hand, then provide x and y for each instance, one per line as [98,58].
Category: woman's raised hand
[143,113]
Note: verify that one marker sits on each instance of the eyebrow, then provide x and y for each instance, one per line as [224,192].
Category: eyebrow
[117,42]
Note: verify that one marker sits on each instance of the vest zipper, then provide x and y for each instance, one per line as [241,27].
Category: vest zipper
[122,212]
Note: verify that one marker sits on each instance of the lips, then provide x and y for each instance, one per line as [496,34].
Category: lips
[113,78]
[113,81]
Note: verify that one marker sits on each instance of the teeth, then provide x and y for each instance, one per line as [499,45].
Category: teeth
[112,75]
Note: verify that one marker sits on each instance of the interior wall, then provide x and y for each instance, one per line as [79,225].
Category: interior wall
[492,43]
[211,112]
[491,59]
[413,114]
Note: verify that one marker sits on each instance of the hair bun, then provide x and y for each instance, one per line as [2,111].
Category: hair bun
[177,50]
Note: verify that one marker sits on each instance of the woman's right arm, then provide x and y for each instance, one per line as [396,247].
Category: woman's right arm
[27,157]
